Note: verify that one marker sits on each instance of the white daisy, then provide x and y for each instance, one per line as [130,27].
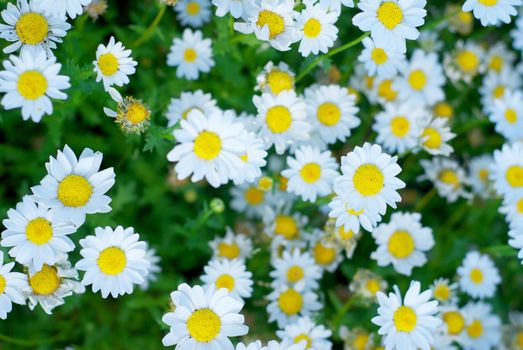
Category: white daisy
[113,261]
[231,246]
[275,78]
[288,304]
[512,207]
[408,323]
[203,318]
[494,87]
[49,285]
[492,12]
[479,170]
[249,200]
[295,268]
[331,111]
[30,81]
[507,170]
[499,58]
[435,136]
[444,291]
[154,267]
[194,13]
[403,242]
[507,115]
[36,234]
[351,214]
[483,328]
[366,284]
[13,287]
[384,91]
[316,336]
[231,275]
[28,25]
[282,222]
[180,107]
[478,276]
[191,55]
[282,119]
[316,28]
[381,61]
[447,176]
[464,62]
[60,8]
[327,255]
[75,186]
[253,158]
[391,22]
[358,338]
[453,322]
[132,115]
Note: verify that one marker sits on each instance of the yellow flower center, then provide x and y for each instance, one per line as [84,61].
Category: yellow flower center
[295,273]
[475,329]
[360,341]
[520,206]
[108,64]
[498,91]
[312,28]
[401,244]
[3,284]
[254,196]
[329,114]
[310,172]
[273,20]
[225,281]
[443,109]
[373,286]
[433,138]
[514,176]
[483,175]
[112,261]
[32,28]
[390,14]
[286,226]
[345,234]
[74,191]
[279,81]
[368,180]
[229,251]
[283,183]
[511,116]
[449,177]
[417,79]
[137,113]
[496,63]
[324,255]
[207,145]
[204,325]
[405,319]
[399,126]
[468,61]
[379,56]
[305,337]
[193,8]
[45,281]
[290,302]
[488,2]
[265,183]
[465,17]
[442,292]
[455,322]
[39,231]
[386,91]
[519,340]
[278,119]
[190,55]
[32,85]
[476,275]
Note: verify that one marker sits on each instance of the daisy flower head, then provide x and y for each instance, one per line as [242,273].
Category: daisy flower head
[208,146]
[499,58]
[495,86]
[357,338]
[288,304]
[30,81]
[435,135]
[60,8]
[204,317]
[180,107]
[398,127]
[482,327]
[113,64]
[316,336]
[191,55]
[231,275]
[478,276]
[113,261]
[384,91]
[96,8]
[352,214]
[407,323]
[327,255]
[391,22]
[29,25]
[423,79]
[492,12]
[50,284]
[316,28]
[194,13]
[453,322]
[447,176]
[75,186]
[282,119]
[249,200]
[403,242]
[459,21]
[507,170]
[370,177]
[131,114]
[280,221]
[36,234]
[443,109]
[507,115]
[444,291]
[366,284]
[512,208]
[232,246]
[464,62]
[381,61]
[331,110]
[310,173]
[253,158]
[295,268]
[13,287]
[272,21]
[154,267]
[275,78]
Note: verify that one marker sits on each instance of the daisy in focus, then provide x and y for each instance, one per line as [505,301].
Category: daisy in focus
[191,55]
[478,276]
[316,29]
[275,78]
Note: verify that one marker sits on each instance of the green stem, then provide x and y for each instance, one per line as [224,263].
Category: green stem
[425,200]
[330,54]
[148,32]
[342,311]
[28,343]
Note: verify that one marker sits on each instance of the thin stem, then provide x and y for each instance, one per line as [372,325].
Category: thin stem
[148,32]
[330,54]
[342,311]
[28,343]
[425,200]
